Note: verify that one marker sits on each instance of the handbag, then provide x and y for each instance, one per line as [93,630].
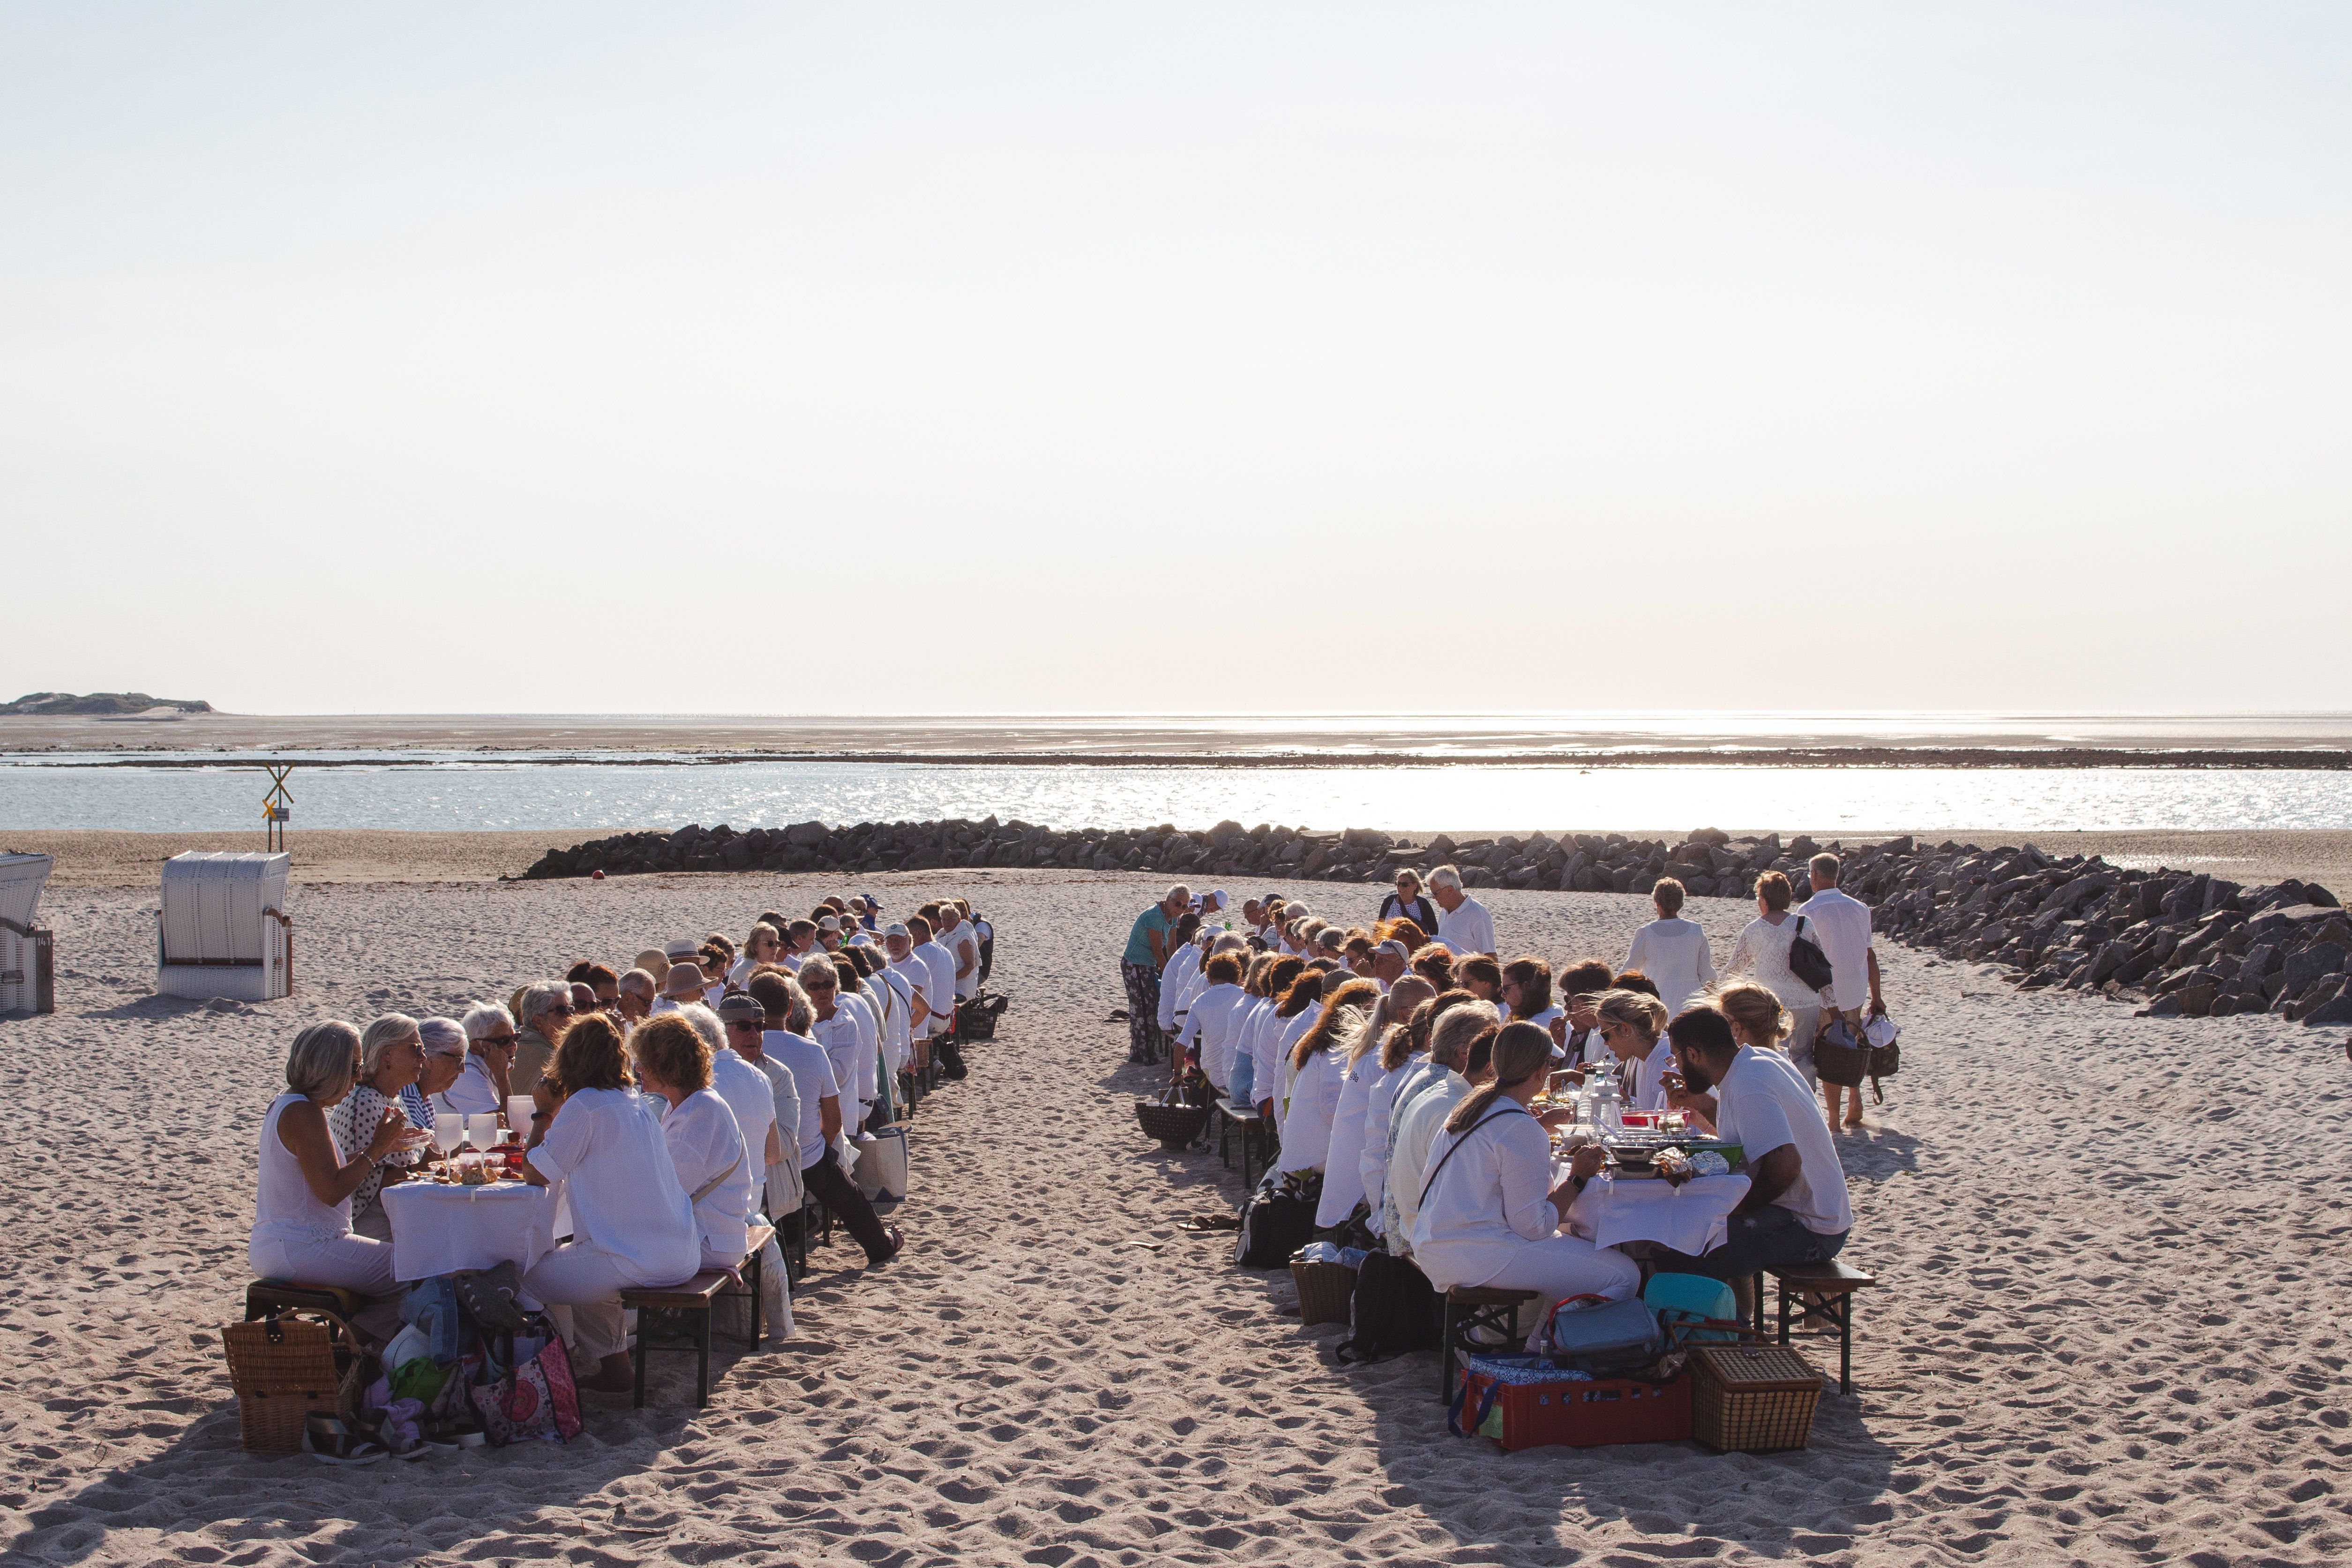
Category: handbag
[490,1296]
[1597,1336]
[1839,1058]
[536,1402]
[1807,962]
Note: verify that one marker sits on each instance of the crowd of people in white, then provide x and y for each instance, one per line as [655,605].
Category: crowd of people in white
[1399,1067]
[678,1103]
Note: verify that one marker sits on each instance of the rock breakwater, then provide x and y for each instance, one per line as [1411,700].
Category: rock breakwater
[2175,941]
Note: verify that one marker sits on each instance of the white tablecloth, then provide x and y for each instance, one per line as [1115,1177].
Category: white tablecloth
[440,1230]
[1689,1218]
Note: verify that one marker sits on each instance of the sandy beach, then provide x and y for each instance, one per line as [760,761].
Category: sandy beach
[2108,1332]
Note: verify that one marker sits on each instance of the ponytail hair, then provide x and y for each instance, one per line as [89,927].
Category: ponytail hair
[1521,1051]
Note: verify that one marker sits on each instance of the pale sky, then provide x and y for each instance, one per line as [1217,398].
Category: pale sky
[1037,358]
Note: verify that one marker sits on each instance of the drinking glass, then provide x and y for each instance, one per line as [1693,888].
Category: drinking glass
[482,1129]
[448,1131]
[519,1112]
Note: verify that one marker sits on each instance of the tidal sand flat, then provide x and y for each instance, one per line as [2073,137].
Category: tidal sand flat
[2112,1252]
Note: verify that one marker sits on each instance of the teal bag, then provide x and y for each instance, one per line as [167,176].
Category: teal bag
[1688,1298]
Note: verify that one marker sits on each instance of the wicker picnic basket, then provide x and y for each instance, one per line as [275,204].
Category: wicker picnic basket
[285,1366]
[1326,1292]
[1174,1125]
[1752,1398]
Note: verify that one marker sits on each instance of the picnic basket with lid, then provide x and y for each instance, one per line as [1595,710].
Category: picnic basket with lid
[1752,1398]
[284,1367]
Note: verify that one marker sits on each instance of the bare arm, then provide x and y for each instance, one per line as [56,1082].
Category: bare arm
[1877,1006]
[1770,1177]
[302,1129]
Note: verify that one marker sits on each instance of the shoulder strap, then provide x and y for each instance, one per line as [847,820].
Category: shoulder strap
[1481,1121]
[711,1186]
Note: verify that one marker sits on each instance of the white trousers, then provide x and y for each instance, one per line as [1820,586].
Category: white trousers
[1803,1022]
[350,1262]
[1559,1266]
[588,1281]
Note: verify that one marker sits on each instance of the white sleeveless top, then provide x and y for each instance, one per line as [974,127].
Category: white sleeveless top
[284,1208]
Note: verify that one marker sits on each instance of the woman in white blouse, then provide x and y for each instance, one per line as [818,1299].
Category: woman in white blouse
[1318,1062]
[1403,1048]
[1294,1015]
[1631,1024]
[1671,951]
[1489,1214]
[706,1141]
[1213,1024]
[1343,1167]
[632,1223]
[302,1208]
[1762,954]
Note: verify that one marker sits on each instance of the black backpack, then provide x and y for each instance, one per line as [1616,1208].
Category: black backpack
[1395,1310]
[1278,1220]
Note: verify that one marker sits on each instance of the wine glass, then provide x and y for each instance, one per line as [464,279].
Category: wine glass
[482,1129]
[448,1131]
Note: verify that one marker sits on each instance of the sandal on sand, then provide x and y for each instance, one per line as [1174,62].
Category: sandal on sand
[1210,1222]
[333,1439]
[898,1246]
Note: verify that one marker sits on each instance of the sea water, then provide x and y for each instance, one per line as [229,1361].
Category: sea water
[51,792]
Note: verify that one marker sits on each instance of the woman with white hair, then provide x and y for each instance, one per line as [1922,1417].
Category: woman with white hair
[392,1060]
[480,1086]
[544,1011]
[302,1207]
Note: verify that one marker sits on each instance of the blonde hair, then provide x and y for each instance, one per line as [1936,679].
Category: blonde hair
[1634,1009]
[382,1035]
[1756,1010]
[319,1063]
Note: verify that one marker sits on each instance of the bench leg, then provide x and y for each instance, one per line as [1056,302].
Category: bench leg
[1784,1310]
[756,1267]
[702,1358]
[638,1356]
[1844,1314]
[1756,1300]
[1225,1133]
[1453,1322]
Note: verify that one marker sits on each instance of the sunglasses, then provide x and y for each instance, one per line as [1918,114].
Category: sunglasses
[745,1024]
[564,1008]
[496,1040]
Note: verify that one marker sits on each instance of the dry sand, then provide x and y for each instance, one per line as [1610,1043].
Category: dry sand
[2111,1329]
[107,858]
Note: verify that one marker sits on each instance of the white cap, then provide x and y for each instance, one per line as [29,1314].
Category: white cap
[894,928]
[685,947]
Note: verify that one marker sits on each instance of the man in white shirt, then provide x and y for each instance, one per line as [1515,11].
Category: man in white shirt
[1796,1210]
[780,1183]
[1672,951]
[939,993]
[1840,923]
[748,1094]
[1389,961]
[781,1004]
[1459,1048]
[1183,962]
[845,1043]
[899,943]
[963,950]
[1463,922]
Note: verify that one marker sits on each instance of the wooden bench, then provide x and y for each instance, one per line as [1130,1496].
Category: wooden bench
[1468,1309]
[265,1296]
[1256,1137]
[1835,1283]
[677,1317]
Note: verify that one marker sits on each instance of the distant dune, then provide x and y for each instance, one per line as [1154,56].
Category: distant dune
[102,704]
